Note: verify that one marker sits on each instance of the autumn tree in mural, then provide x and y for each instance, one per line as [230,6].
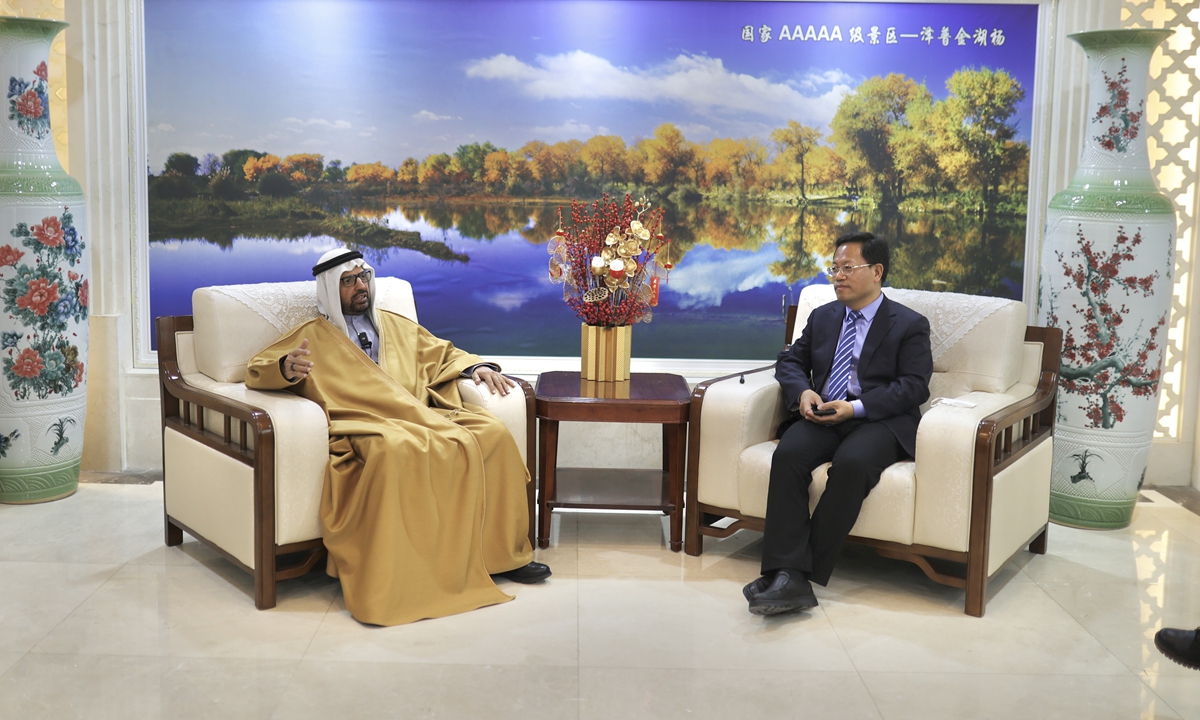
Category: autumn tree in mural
[977,142]
[866,128]
[1097,365]
[796,142]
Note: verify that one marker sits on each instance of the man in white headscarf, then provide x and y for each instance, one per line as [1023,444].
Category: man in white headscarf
[424,497]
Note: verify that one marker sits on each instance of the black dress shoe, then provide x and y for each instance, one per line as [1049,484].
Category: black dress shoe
[1181,646]
[527,574]
[787,592]
[756,587]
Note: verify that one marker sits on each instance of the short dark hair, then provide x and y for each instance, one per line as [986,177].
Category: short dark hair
[874,249]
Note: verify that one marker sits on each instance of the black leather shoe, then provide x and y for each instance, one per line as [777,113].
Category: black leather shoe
[756,587]
[787,592]
[527,574]
[1181,646]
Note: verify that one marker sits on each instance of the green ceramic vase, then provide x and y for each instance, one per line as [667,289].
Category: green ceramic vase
[44,275]
[1106,280]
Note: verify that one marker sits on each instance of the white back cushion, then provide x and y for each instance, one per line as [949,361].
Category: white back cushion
[978,342]
[232,323]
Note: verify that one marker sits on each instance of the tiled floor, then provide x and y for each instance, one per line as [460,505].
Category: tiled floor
[99,620]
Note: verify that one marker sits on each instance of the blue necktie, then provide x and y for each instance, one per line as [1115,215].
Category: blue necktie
[839,376]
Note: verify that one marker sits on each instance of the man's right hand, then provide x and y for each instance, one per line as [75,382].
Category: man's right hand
[294,365]
[810,399]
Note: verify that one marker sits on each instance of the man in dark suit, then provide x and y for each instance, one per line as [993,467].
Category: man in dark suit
[854,383]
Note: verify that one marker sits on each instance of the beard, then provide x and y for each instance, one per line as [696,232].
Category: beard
[359,303]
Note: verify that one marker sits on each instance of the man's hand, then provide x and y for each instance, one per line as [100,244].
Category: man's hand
[294,365]
[496,383]
[810,400]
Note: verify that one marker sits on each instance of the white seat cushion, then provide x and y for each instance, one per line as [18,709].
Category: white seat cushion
[887,513]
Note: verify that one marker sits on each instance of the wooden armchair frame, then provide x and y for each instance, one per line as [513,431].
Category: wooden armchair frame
[997,447]
[252,442]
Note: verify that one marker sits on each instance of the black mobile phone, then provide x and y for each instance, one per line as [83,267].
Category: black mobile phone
[826,411]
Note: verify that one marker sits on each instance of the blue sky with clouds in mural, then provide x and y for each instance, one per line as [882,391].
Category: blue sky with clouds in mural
[365,80]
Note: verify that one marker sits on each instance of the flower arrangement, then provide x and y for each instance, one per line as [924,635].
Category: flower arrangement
[607,261]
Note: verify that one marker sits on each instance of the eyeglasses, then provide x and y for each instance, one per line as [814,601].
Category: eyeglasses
[848,270]
[349,280]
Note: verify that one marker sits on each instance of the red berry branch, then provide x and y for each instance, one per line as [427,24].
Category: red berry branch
[608,299]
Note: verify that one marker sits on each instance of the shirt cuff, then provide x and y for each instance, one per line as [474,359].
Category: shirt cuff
[471,370]
[859,410]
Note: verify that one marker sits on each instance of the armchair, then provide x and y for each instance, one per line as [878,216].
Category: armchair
[243,469]
[979,488]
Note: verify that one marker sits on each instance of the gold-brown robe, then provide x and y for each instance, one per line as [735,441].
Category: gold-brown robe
[424,495]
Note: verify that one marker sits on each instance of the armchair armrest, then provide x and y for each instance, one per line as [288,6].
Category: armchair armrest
[728,416]
[945,465]
[959,452]
[515,410]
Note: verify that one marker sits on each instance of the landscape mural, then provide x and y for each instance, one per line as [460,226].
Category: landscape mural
[441,139]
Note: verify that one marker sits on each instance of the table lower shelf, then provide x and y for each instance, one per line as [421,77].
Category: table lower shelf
[611,489]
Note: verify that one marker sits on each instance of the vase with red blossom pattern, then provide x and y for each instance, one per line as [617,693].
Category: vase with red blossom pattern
[44,277]
[1106,280]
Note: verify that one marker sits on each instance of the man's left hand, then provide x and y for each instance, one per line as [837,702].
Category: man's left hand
[845,411]
[497,383]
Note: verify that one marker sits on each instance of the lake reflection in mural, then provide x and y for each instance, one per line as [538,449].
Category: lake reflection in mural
[733,265]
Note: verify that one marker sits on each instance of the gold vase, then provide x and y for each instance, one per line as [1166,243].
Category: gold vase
[605,352]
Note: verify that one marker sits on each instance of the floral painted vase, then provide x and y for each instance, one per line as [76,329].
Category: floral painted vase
[44,275]
[1106,280]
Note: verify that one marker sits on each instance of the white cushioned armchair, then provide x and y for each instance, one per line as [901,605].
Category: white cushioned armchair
[243,469]
[979,488]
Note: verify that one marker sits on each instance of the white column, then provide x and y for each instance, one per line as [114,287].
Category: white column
[106,119]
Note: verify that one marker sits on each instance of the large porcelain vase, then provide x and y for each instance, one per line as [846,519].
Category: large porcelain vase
[1106,280]
[43,282]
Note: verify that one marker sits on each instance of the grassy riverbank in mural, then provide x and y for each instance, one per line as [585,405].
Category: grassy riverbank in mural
[452,173]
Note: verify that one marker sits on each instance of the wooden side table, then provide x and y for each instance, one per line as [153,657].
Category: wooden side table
[658,398]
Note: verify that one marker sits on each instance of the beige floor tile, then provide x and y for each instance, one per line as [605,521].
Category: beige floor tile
[621,693]
[8,659]
[563,560]
[1147,550]
[1125,616]
[323,690]
[107,524]
[1181,693]
[1023,631]
[626,545]
[1178,518]
[539,627]
[191,553]
[864,578]
[564,528]
[35,597]
[64,687]
[193,612]
[955,696]
[641,623]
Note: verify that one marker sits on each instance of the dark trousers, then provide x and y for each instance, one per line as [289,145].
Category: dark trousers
[860,451]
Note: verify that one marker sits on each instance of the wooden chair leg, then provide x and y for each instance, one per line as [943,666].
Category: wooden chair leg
[264,585]
[693,542]
[1038,546]
[172,532]
[976,589]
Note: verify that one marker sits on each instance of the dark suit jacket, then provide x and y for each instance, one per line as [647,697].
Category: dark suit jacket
[893,371]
